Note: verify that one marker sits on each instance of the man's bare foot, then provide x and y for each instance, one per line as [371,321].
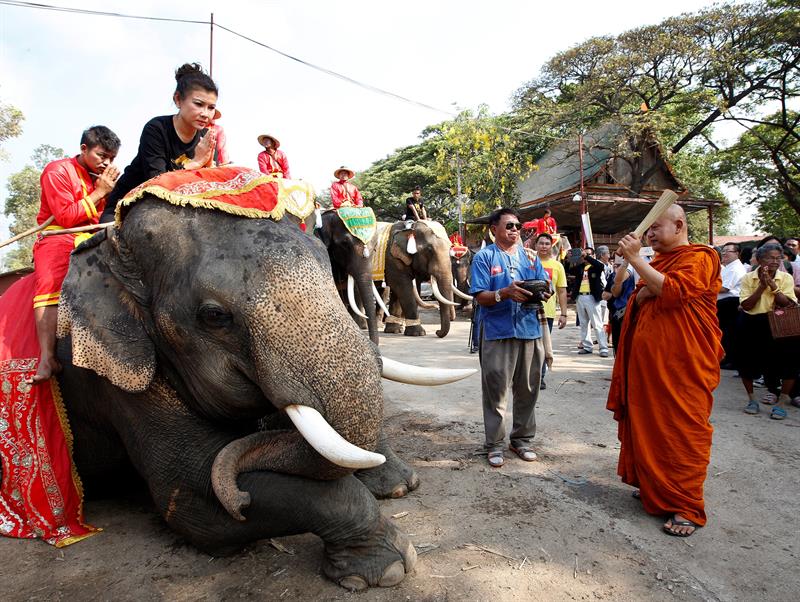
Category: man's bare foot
[680,526]
[47,368]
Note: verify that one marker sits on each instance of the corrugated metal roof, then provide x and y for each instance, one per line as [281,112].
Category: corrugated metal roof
[559,168]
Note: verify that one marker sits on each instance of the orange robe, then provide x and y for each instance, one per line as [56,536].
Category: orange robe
[666,370]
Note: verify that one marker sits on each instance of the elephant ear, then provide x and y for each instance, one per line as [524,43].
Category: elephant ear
[103,307]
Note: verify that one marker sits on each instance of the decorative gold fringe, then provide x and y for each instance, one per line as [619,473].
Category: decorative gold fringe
[202,201]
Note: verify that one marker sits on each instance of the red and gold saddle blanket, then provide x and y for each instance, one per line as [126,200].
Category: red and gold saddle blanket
[235,190]
[40,494]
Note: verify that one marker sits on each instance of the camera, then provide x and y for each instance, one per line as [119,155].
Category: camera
[538,288]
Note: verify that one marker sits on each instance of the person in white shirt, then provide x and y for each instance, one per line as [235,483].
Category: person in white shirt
[728,299]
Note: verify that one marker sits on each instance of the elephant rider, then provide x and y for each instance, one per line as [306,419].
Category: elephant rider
[171,142]
[74,192]
[343,193]
[271,160]
[415,209]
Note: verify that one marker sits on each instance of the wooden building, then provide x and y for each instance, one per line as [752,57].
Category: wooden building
[610,185]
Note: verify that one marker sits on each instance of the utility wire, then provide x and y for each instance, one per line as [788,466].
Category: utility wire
[84,11]
[350,80]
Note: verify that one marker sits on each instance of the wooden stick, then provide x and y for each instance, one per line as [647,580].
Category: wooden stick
[662,204]
[88,228]
[27,232]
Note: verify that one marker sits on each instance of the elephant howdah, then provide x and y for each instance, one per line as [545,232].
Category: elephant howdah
[184,328]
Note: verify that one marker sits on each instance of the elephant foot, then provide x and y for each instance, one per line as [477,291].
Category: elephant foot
[381,559]
[392,479]
[392,328]
[414,331]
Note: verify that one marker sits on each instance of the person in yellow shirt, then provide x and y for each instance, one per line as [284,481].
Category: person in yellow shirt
[558,280]
[761,291]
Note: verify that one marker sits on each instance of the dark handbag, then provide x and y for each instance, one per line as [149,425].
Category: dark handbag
[784,322]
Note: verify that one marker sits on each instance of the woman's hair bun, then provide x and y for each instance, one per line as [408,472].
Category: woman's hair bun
[186,69]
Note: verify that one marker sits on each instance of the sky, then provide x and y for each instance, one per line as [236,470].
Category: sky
[68,71]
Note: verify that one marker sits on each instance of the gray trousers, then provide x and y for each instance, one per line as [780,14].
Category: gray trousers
[514,364]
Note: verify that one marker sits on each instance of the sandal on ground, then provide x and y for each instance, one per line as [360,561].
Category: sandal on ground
[637,495]
[778,414]
[752,407]
[769,399]
[526,453]
[669,527]
[496,459]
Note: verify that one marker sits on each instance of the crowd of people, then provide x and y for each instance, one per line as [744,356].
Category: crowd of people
[688,307]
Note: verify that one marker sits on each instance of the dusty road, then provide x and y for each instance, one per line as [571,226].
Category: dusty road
[562,528]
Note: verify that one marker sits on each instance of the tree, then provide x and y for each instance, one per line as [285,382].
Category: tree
[669,83]
[22,204]
[11,120]
[765,164]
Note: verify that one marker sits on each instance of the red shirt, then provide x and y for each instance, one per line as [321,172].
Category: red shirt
[345,192]
[66,187]
[546,224]
[276,166]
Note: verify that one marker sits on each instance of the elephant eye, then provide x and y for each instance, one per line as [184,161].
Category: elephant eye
[214,316]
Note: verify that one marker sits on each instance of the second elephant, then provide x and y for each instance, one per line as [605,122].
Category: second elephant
[415,251]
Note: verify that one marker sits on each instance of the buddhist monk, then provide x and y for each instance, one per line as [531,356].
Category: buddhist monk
[666,370]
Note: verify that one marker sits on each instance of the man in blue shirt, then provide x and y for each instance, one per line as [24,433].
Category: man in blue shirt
[511,349]
[618,290]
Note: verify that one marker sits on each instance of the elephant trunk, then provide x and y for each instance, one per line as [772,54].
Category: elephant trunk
[444,282]
[343,384]
[365,291]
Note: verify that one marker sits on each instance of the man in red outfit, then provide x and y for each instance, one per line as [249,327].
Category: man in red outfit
[74,194]
[343,193]
[272,161]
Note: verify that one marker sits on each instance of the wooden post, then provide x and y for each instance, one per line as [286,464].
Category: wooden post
[583,194]
[711,225]
[211,49]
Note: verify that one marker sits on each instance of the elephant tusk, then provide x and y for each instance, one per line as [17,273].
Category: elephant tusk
[423,304]
[439,296]
[351,297]
[328,443]
[379,299]
[462,295]
[417,375]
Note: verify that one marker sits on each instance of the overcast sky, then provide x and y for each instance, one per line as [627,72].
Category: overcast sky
[69,71]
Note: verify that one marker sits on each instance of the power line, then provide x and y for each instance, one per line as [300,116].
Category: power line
[330,72]
[98,13]
[369,87]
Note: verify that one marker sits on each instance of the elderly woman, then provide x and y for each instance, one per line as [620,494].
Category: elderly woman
[761,291]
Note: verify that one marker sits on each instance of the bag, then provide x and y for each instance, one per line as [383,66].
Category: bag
[784,322]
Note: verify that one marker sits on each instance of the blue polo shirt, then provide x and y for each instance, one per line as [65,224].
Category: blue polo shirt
[493,269]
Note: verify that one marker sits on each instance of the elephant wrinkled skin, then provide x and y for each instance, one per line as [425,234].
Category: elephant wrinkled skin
[184,328]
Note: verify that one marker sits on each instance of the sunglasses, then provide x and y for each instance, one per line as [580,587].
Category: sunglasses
[513,226]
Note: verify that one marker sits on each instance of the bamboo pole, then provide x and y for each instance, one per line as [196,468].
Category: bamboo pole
[27,232]
[77,229]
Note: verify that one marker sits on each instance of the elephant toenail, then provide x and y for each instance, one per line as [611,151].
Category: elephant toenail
[399,491]
[413,482]
[354,583]
[393,575]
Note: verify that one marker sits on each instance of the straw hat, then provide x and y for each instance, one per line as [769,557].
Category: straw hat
[350,172]
[275,142]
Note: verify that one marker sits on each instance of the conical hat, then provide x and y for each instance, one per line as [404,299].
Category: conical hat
[275,141]
[350,172]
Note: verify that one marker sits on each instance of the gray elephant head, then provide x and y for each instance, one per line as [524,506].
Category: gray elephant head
[239,316]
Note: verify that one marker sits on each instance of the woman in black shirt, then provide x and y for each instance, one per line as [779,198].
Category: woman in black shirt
[170,142]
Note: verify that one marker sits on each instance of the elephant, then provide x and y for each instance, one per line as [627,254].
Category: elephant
[407,259]
[351,267]
[180,330]
[460,265]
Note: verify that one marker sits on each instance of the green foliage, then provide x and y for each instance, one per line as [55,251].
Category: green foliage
[11,120]
[22,204]
[765,164]
[696,169]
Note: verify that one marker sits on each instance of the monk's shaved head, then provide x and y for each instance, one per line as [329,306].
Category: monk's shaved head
[668,231]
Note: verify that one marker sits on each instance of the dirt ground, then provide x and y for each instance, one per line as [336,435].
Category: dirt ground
[562,528]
